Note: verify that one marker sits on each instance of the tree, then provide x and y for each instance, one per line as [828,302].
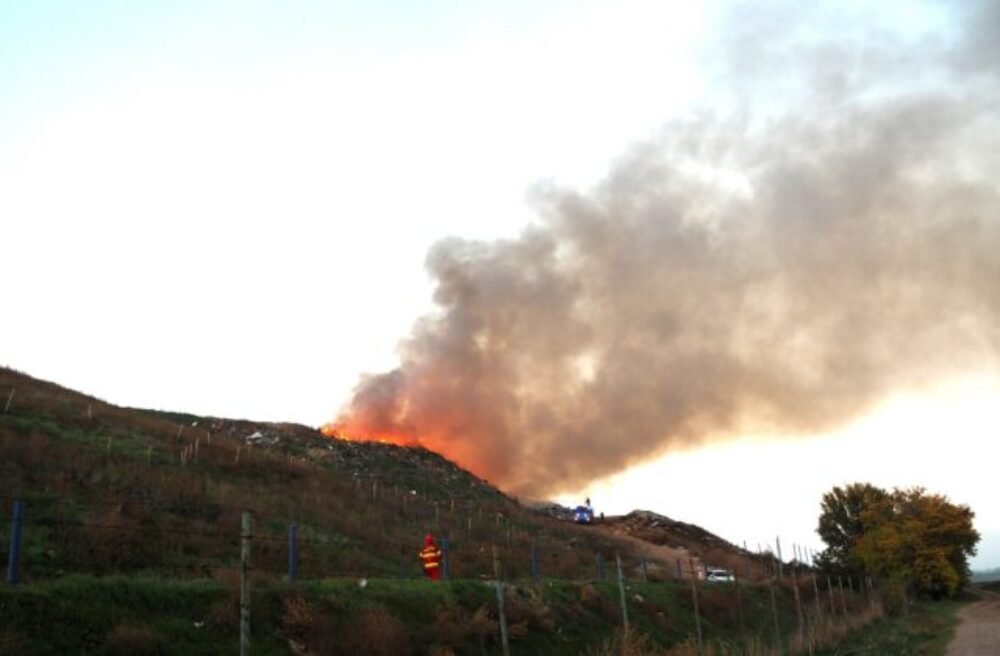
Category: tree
[921,540]
[842,523]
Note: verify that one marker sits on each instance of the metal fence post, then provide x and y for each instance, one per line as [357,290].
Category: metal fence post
[14,557]
[293,553]
[621,592]
[245,535]
[694,599]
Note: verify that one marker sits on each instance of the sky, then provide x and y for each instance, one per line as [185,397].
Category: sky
[237,209]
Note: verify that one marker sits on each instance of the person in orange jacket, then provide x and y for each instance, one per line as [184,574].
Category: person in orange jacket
[430,556]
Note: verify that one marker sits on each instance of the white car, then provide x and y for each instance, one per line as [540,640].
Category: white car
[717,575]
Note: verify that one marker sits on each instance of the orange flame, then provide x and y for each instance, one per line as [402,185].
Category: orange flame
[341,430]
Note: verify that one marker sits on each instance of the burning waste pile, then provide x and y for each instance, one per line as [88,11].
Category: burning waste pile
[783,270]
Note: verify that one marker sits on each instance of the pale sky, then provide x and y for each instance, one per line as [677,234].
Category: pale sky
[224,208]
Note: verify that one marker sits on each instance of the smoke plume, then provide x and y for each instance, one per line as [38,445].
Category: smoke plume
[782,266]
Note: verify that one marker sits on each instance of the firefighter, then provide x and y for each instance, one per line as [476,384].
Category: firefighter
[430,556]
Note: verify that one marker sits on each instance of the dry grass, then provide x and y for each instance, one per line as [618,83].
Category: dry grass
[133,640]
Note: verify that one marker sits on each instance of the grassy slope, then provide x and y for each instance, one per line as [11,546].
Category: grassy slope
[156,542]
[924,631]
[112,615]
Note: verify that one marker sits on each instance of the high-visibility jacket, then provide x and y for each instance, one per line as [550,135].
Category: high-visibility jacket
[430,556]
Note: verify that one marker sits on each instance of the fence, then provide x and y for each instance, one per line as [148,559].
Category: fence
[484,538]
[293,551]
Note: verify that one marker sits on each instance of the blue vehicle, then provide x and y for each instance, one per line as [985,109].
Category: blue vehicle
[583,515]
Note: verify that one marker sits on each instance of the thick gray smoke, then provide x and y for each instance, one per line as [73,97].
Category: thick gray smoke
[784,270]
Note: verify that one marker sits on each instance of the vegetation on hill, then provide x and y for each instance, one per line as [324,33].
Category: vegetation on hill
[131,545]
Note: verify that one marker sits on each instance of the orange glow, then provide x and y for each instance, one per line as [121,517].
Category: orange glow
[342,430]
[459,452]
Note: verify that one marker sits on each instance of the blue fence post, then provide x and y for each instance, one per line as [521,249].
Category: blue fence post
[600,567]
[534,561]
[293,552]
[445,559]
[14,557]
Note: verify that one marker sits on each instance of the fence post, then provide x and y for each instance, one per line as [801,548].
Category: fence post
[774,613]
[680,574]
[621,591]
[445,559]
[781,564]
[819,608]
[843,599]
[829,589]
[739,606]
[600,567]
[645,572]
[694,597]
[245,535]
[293,553]
[14,557]
[798,604]
[535,574]
[500,599]
[10,397]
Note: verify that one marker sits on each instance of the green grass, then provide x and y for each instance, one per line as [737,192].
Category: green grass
[113,615]
[80,615]
[924,631]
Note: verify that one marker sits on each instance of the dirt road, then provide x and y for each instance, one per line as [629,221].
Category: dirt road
[978,632]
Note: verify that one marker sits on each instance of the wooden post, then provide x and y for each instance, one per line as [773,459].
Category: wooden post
[10,397]
[645,572]
[843,599]
[819,608]
[621,592]
[798,604]
[739,607]
[245,536]
[694,598]
[781,564]
[829,589]
[238,449]
[500,602]
[774,613]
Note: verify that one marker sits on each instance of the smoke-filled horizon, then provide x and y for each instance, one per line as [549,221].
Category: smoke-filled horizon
[783,270]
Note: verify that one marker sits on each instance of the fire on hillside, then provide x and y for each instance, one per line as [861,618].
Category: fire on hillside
[343,431]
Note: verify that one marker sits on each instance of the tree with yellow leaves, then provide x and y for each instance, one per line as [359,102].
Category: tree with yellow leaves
[919,539]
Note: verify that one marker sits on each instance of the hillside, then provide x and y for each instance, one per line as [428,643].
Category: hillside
[141,510]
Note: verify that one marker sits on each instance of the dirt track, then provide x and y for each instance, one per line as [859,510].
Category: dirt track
[978,632]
